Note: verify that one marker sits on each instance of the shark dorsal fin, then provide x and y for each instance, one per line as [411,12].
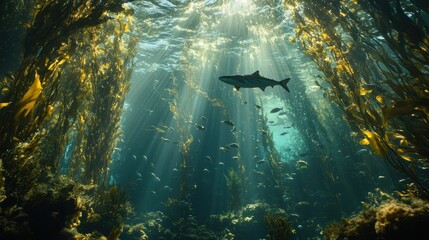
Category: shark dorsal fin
[256,74]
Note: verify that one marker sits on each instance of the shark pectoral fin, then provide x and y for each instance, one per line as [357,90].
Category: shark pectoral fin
[237,87]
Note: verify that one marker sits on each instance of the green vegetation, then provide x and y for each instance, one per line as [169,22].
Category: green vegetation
[235,186]
[278,227]
[67,92]
[373,58]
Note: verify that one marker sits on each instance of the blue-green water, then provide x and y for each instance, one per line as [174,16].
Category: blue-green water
[114,123]
[322,174]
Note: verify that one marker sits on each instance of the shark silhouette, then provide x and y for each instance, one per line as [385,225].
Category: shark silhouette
[252,81]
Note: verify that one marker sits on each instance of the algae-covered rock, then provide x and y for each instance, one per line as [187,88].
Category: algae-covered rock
[390,220]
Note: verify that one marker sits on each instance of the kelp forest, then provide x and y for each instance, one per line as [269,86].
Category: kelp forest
[114,125]
[60,117]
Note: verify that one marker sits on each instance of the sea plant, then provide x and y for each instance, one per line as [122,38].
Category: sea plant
[278,227]
[235,186]
[372,54]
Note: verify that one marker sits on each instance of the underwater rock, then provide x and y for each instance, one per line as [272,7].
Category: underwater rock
[396,220]
[391,220]
[51,210]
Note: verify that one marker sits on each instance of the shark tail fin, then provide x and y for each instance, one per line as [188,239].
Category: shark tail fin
[283,83]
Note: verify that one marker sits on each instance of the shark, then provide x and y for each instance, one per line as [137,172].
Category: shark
[253,81]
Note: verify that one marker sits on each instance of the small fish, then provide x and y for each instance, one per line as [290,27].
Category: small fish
[138,174]
[209,158]
[206,170]
[204,118]
[155,177]
[224,149]
[289,177]
[200,127]
[175,170]
[154,128]
[260,161]
[233,145]
[285,197]
[274,110]
[303,203]
[271,121]
[301,162]
[150,111]
[235,158]
[164,139]
[282,113]
[257,106]
[228,122]
[283,133]
[221,163]
[381,177]
[362,151]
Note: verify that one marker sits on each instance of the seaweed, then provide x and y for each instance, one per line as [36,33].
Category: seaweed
[105,211]
[235,186]
[373,59]
[278,227]
[67,94]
